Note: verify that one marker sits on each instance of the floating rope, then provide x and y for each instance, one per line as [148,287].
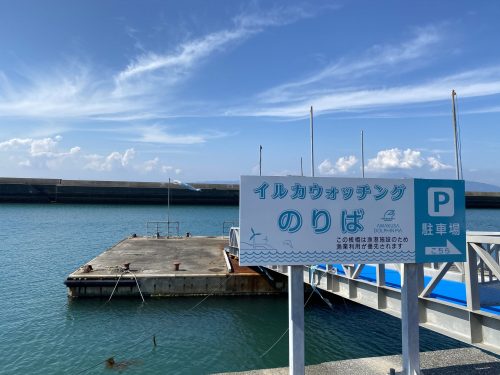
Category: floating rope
[210,294]
[286,331]
[136,282]
[91,367]
[113,292]
[316,290]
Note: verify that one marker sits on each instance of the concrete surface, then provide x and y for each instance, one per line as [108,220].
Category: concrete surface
[202,270]
[156,257]
[441,362]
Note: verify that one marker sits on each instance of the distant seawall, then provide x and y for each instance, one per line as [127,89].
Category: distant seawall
[34,190]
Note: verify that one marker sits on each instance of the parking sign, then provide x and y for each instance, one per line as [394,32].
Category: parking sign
[440,230]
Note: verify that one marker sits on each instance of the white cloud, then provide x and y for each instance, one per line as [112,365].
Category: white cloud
[436,164]
[326,167]
[75,90]
[127,156]
[345,163]
[38,153]
[167,169]
[45,153]
[15,143]
[44,146]
[474,83]
[176,64]
[108,163]
[342,165]
[69,91]
[375,59]
[395,158]
[37,147]
[155,165]
[145,89]
[357,84]
[152,164]
[157,134]
[127,161]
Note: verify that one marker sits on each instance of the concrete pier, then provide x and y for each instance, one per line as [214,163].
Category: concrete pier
[164,267]
[463,361]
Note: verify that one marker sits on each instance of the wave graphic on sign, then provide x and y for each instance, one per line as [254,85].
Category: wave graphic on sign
[259,250]
[271,254]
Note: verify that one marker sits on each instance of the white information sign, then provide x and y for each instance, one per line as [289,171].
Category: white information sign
[306,220]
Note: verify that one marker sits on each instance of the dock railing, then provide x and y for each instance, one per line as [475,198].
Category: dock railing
[234,241]
[226,227]
[482,260]
[162,229]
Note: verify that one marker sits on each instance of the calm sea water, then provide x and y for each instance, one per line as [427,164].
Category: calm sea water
[43,332]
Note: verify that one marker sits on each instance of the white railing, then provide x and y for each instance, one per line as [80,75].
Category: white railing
[227,226]
[161,229]
[234,241]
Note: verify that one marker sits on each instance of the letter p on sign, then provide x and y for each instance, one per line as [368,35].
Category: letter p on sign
[440,202]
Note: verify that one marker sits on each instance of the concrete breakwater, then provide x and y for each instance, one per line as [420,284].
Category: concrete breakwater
[33,190]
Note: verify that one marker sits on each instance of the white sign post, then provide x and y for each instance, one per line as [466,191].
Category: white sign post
[305,221]
[410,320]
[296,320]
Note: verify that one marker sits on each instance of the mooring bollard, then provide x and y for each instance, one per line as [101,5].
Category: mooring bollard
[88,268]
[176,266]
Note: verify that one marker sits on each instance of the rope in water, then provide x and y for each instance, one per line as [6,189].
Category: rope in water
[212,292]
[305,304]
[136,283]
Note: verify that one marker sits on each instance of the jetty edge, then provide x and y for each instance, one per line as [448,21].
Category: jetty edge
[169,267]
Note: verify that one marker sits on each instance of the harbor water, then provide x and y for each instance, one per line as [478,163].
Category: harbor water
[43,332]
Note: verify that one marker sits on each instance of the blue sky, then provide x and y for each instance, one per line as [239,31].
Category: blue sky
[147,90]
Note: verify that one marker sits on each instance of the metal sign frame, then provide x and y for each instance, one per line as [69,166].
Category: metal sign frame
[297,220]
